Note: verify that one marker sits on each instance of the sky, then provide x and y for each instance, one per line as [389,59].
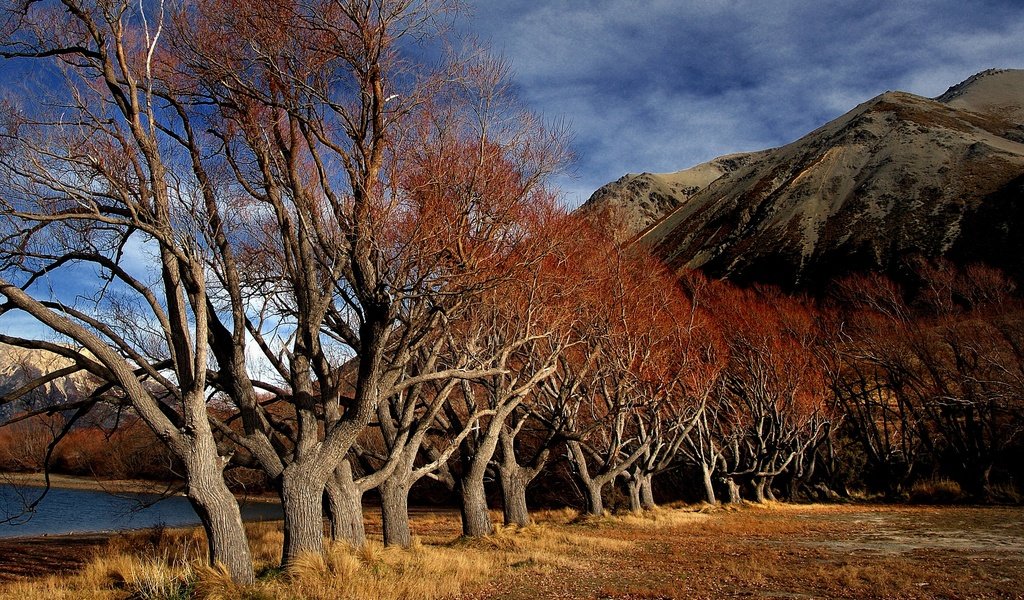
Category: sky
[662,85]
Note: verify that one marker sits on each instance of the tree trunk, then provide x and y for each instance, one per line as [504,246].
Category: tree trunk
[513,494]
[302,500]
[222,520]
[633,486]
[476,521]
[976,482]
[709,486]
[647,492]
[732,490]
[394,510]
[758,486]
[595,504]
[768,493]
[514,478]
[345,507]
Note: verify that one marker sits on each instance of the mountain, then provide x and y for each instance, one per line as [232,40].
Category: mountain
[637,201]
[898,176]
[19,366]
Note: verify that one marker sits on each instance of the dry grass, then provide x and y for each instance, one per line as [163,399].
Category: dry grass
[369,573]
[936,491]
[377,573]
[168,564]
[113,577]
[773,550]
[660,517]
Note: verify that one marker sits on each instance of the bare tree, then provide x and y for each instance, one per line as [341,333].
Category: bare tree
[96,170]
[773,394]
[933,382]
[685,372]
[288,174]
[382,195]
[606,395]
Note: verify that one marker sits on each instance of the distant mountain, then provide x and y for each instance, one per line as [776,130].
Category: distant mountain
[898,176]
[637,201]
[19,367]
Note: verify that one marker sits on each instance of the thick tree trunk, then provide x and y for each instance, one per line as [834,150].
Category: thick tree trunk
[302,500]
[513,494]
[595,504]
[345,507]
[394,510]
[476,521]
[514,478]
[732,490]
[222,520]
[647,492]
[633,486]
[709,486]
[758,486]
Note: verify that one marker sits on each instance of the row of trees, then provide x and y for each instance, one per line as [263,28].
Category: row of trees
[264,198]
[930,376]
[285,243]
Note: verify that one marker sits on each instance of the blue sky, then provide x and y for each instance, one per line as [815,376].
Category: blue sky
[661,85]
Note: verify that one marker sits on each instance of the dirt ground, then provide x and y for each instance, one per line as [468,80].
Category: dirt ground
[775,551]
[792,551]
[36,557]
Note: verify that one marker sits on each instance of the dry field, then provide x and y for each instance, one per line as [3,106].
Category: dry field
[774,551]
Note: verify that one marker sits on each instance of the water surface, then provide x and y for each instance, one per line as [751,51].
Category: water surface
[65,511]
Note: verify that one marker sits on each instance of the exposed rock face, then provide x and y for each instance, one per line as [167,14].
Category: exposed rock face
[994,92]
[19,367]
[637,201]
[898,176]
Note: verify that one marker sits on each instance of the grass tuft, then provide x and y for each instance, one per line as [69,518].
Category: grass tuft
[936,491]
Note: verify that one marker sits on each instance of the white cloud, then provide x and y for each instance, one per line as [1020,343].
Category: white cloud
[662,85]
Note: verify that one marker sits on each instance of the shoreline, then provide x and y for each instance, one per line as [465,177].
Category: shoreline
[33,558]
[117,486]
[75,482]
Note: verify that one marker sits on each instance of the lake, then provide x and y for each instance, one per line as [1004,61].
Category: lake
[65,511]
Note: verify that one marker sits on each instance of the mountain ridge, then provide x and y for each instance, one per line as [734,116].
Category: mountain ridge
[20,366]
[899,175]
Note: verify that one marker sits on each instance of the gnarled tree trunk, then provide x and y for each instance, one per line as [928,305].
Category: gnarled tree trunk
[595,503]
[709,486]
[218,511]
[345,506]
[513,493]
[757,486]
[302,500]
[732,490]
[647,492]
[633,487]
[514,478]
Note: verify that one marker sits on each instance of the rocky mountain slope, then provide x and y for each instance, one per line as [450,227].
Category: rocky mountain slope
[637,201]
[898,176]
[19,367]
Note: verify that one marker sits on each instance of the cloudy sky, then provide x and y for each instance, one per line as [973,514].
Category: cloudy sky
[661,85]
